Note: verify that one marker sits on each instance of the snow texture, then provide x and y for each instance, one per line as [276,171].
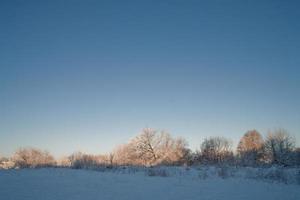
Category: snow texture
[164,183]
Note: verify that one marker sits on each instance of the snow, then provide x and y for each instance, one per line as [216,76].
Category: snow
[64,184]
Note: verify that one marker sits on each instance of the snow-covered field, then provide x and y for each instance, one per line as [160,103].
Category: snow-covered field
[68,184]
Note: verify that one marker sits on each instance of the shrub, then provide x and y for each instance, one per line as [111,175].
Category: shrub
[82,161]
[298,177]
[203,174]
[157,172]
[275,174]
[224,172]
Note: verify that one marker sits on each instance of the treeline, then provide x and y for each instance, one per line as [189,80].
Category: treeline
[154,148]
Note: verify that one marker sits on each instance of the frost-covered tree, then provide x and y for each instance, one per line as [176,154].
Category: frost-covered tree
[6,163]
[150,148]
[2,161]
[250,148]
[124,155]
[173,151]
[146,146]
[279,146]
[32,157]
[110,158]
[64,162]
[216,150]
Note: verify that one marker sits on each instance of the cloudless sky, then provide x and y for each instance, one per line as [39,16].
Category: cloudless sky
[89,75]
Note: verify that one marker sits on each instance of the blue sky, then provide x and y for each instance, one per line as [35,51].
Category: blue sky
[88,75]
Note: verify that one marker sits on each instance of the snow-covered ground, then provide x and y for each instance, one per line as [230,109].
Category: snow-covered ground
[68,184]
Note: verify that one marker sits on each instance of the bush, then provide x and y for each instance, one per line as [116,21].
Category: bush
[157,172]
[85,161]
[203,174]
[276,174]
[6,163]
[224,172]
[298,177]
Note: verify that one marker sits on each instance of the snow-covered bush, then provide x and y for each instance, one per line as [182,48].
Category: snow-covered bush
[272,174]
[298,177]
[225,172]
[203,173]
[157,172]
[275,174]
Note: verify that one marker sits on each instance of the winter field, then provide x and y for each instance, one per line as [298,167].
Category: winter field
[158,183]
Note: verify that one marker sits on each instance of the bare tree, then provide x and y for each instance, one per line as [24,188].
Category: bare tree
[216,150]
[279,146]
[250,148]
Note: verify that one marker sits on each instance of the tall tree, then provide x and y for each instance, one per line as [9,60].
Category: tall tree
[250,148]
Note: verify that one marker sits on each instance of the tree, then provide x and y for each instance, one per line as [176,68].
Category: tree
[146,146]
[296,156]
[173,151]
[216,150]
[64,162]
[80,160]
[6,163]
[150,148]
[111,159]
[279,146]
[31,157]
[124,155]
[250,148]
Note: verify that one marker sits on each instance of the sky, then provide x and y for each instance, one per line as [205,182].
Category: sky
[89,75]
